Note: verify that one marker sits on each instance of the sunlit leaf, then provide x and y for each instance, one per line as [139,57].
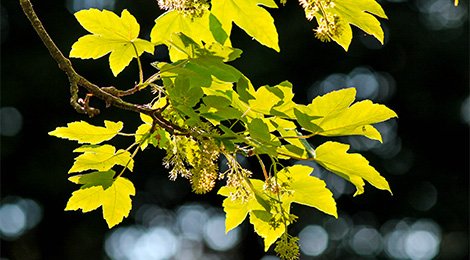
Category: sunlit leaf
[248,15]
[203,65]
[351,166]
[235,211]
[100,158]
[110,33]
[262,223]
[361,14]
[307,190]
[333,115]
[265,98]
[262,140]
[102,189]
[85,133]
[201,29]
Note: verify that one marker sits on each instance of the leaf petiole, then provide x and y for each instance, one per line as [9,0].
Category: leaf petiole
[132,157]
[141,73]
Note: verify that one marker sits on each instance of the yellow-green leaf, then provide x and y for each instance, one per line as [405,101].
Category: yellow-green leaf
[261,221]
[261,218]
[101,158]
[235,211]
[265,98]
[102,189]
[85,133]
[248,15]
[333,115]
[359,13]
[201,29]
[307,190]
[351,166]
[110,33]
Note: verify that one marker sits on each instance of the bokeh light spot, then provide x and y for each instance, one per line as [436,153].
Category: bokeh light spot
[442,14]
[215,237]
[366,241]
[136,243]
[313,240]
[418,240]
[157,243]
[12,220]
[11,121]
[338,228]
[18,215]
[191,220]
[421,245]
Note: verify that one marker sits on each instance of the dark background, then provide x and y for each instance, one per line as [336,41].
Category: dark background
[425,60]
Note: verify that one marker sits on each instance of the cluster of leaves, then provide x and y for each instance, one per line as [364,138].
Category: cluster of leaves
[205,108]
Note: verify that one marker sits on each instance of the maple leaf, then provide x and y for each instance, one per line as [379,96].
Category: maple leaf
[205,28]
[110,33]
[333,115]
[358,13]
[83,132]
[101,158]
[102,189]
[255,20]
[307,190]
[351,166]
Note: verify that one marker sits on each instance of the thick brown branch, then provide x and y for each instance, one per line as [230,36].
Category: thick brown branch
[106,94]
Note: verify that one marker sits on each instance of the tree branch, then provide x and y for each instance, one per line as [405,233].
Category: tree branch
[76,80]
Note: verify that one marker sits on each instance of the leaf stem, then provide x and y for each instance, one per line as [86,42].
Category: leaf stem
[157,75]
[132,157]
[262,167]
[141,73]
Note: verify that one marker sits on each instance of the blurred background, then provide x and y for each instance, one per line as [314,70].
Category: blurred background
[421,72]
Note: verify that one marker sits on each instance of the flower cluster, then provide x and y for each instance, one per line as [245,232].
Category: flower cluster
[329,24]
[236,177]
[287,247]
[195,160]
[191,8]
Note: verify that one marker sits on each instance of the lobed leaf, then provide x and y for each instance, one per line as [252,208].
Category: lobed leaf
[361,14]
[261,138]
[333,115]
[235,211]
[83,132]
[307,190]
[261,221]
[110,33]
[248,15]
[353,167]
[102,189]
[201,29]
[101,158]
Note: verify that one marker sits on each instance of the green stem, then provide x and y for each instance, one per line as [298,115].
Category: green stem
[141,73]
[262,167]
[157,75]
[132,157]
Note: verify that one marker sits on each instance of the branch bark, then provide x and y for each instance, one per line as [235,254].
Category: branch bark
[76,81]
